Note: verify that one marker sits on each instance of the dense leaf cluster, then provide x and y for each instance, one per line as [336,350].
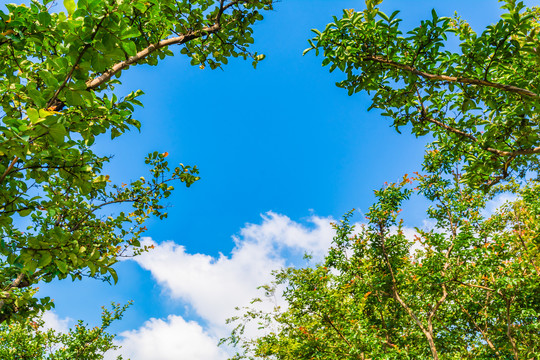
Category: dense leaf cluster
[29,339]
[479,100]
[58,73]
[467,288]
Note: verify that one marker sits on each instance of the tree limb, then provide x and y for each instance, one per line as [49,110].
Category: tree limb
[460,80]
[461,133]
[96,82]
[509,330]
[9,168]
[20,281]
[428,333]
[532,151]
[177,40]
[327,319]
[484,335]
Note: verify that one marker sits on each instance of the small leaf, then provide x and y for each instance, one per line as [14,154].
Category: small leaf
[44,113]
[62,266]
[45,259]
[131,33]
[70,6]
[25,212]
[44,18]
[33,115]
[114,275]
[57,132]
[129,47]
[73,258]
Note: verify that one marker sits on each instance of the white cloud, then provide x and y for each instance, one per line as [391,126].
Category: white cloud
[53,321]
[214,286]
[280,229]
[493,205]
[170,339]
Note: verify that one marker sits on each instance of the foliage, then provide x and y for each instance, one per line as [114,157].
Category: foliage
[468,288]
[58,73]
[29,340]
[479,101]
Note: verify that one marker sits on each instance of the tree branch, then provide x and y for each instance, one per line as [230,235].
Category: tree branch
[9,168]
[478,286]
[327,319]
[96,82]
[532,151]
[460,80]
[178,40]
[52,101]
[223,7]
[20,281]
[461,133]
[484,335]
[428,333]
[509,330]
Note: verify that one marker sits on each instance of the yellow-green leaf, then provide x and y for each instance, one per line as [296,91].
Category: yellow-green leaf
[33,115]
[70,6]
[44,113]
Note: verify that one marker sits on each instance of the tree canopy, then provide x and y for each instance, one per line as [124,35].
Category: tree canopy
[29,339]
[479,100]
[59,74]
[467,286]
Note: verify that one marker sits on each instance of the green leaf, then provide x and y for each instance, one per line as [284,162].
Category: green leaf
[114,275]
[70,6]
[58,132]
[92,267]
[33,115]
[44,113]
[73,258]
[44,18]
[25,212]
[46,258]
[131,33]
[62,266]
[129,47]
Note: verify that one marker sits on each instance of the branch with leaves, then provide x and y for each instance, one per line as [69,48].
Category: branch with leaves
[479,101]
[57,84]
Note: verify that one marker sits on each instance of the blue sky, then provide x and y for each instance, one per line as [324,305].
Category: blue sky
[281,151]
